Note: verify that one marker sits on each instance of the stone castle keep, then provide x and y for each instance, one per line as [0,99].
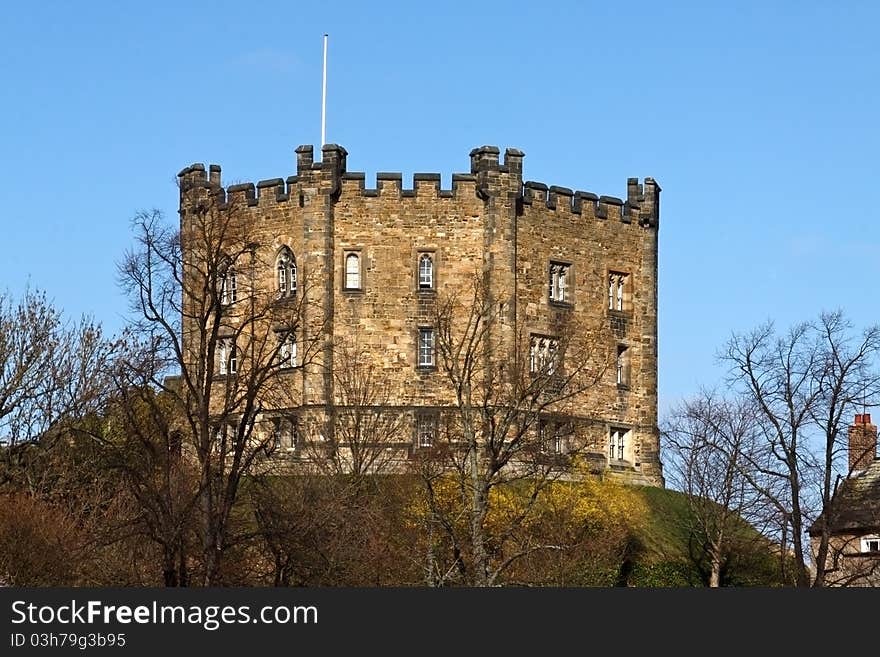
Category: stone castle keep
[376,261]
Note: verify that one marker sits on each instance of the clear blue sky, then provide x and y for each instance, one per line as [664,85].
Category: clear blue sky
[757,118]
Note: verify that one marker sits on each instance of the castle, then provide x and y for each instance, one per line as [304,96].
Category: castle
[371,265]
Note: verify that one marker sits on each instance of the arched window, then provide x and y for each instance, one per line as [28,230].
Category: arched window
[622,365]
[352,271]
[286,273]
[426,272]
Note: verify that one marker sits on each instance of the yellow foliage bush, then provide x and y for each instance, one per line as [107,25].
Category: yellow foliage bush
[568,532]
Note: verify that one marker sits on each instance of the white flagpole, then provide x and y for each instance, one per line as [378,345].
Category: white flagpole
[324,97]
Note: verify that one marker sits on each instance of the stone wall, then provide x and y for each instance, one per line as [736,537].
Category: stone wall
[847,564]
[490,226]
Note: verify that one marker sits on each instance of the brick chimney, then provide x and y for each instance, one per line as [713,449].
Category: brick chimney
[862,442]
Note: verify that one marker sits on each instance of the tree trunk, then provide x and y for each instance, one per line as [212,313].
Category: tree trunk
[715,557]
[803,577]
[822,552]
[715,574]
[429,556]
[210,552]
[183,577]
[478,513]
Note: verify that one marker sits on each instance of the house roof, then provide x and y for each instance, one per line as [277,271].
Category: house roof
[856,506]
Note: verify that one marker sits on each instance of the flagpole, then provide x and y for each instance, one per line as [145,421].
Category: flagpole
[324,98]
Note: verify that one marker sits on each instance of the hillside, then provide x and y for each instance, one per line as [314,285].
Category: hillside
[666,549]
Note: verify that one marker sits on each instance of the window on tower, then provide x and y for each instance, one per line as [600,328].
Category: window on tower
[618,291]
[285,269]
[426,271]
[559,289]
[352,271]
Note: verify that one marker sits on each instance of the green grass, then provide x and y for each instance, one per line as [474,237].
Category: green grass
[665,535]
[664,554]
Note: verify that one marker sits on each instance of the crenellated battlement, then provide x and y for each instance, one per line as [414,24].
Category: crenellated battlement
[634,209]
[641,206]
[424,185]
[271,191]
[485,159]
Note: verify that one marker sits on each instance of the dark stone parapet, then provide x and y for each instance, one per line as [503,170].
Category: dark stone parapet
[266,187]
[305,157]
[484,158]
[194,170]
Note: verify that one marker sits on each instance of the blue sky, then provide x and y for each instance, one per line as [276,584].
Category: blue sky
[758,119]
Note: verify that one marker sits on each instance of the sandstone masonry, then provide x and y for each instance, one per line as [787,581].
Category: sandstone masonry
[380,257]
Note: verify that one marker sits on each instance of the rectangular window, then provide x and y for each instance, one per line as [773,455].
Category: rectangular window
[426,430]
[871,544]
[228,287]
[227,356]
[617,291]
[552,436]
[286,434]
[543,354]
[426,347]
[352,271]
[618,443]
[559,282]
[223,433]
[287,350]
[622,365]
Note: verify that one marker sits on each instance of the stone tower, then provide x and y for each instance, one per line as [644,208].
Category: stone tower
[379,260]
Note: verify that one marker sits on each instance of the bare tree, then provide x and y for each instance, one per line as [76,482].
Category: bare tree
[848,381]
[368,430]
[143,439]
[207,315]
[710,443]
[804,385]
[36,541]
[491,437]
[332,521]
[297,518]
[321,530]
[30,340]
[52,373]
